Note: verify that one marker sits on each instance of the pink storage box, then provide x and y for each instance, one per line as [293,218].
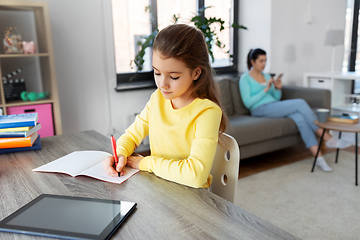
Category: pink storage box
[45,116]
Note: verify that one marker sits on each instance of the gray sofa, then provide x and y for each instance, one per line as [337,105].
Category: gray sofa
[257,135]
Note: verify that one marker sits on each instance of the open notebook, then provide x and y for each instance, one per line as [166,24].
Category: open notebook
[85,163]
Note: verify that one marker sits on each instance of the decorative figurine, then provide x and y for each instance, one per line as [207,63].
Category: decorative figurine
[29,47]
[33,96]
[12,41]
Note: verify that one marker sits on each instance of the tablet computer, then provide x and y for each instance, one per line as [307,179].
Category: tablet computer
[68,217]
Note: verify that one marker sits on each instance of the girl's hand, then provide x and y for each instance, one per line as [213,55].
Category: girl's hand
[278,84]
[109,166]
[133,161]
[268,85]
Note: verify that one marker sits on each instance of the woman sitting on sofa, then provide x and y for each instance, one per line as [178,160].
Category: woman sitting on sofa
[261,94]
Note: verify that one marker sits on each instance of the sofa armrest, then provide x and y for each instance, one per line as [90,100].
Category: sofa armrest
[316,98]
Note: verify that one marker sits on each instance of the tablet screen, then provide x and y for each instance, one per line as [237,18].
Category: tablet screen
[54,215]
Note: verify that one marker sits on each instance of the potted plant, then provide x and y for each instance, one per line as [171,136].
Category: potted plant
[200,21]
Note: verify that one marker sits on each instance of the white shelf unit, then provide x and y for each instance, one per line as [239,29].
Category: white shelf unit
[340,85]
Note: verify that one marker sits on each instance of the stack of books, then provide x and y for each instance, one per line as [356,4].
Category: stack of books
[19,132]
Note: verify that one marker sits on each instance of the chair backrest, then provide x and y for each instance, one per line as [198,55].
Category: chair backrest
[225,169]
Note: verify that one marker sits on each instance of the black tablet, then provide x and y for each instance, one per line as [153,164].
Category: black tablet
[68,217]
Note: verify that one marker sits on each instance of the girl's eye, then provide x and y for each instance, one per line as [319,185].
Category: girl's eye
[157,74]
[174,78]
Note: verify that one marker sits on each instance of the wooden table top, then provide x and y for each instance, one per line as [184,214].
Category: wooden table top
[342,127]
[165,210]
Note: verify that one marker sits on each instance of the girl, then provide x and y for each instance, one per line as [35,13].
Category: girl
[261,94]
[183,117]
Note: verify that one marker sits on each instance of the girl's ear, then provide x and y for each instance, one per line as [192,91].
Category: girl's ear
[196,73]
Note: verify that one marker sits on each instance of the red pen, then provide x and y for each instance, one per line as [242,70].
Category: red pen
[113,144]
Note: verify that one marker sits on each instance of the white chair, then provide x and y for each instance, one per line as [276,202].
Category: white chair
[225,169]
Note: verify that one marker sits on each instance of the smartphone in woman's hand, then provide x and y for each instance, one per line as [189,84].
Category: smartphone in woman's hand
[277,82]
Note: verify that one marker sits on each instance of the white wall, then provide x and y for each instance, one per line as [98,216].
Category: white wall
[304,30]
[256,16]
[292,32]
[78,42]
[84,54]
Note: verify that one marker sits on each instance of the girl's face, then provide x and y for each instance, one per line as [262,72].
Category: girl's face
[259,63]
[174,79]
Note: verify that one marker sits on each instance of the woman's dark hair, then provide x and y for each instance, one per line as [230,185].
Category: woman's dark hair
[253,55]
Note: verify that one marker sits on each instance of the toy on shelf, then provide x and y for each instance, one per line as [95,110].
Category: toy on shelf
[33,96]
[12,74]
[12,41]
[13,87]
[29,47]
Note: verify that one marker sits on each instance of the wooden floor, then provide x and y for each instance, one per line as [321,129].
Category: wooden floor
[279,158]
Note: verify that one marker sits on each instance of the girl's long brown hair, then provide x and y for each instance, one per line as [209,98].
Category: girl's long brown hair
[187,44]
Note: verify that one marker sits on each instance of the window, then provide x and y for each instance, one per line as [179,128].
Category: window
[221,9]
[351,52]
[132,20]
[348,32]
[351,41]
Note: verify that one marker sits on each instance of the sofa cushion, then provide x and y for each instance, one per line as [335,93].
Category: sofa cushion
[239,108]
[248,129]
[289,126]
[226,99]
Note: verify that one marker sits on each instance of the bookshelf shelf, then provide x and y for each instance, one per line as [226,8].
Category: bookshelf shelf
[22,103]
[40,67]
[23,55]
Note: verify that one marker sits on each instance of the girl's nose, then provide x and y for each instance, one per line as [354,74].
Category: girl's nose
[163,83]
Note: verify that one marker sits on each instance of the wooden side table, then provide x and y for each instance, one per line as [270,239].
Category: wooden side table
[341,127]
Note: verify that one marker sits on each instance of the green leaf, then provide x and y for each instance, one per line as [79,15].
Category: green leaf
[235,25]
[201,10]
[176,18]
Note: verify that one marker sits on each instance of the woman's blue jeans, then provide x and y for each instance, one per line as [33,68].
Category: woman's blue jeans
[296,109]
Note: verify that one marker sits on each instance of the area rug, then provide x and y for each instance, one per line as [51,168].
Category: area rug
[316,205]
